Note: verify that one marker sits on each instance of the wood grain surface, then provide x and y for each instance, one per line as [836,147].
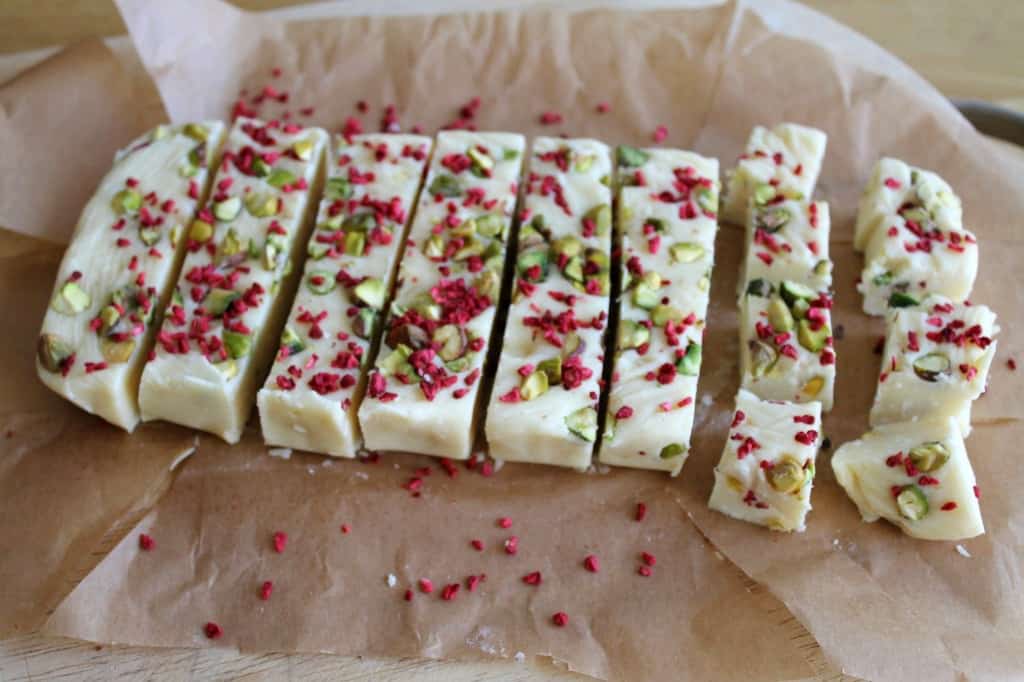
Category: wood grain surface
[968,50]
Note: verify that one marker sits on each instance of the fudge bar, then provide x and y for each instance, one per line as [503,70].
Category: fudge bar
[935,362]
[920,247]
[667,222]
[422,394]
[766,472]
[222,325]
[311,396]
[915,475]
[543,407]
[120,268]
[786,343]
[789,157]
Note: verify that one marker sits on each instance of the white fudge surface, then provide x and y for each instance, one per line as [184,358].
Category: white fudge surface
[794,361]
[208,363]
[935,362]
[120,267]
[788,239]
[422,395]
[544,402]
[894,185]
[312,394]
[667,228]
[884,464]
[788,156]
[766,472]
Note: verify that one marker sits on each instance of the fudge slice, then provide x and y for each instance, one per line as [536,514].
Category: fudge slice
[766,472]
[667,227]
[789,157]
[935,362]
[896,188]
[312,393]
[543,407]
[787,239]
[786,344]
[222,325]
[422,394]
[120,268]
[915,475]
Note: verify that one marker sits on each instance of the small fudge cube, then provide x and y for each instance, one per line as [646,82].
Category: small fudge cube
[422,396]
[546,389]
[915,475]
[787,239]
[786,343]
[789,156]
[311,396]
[667,227]
[895,187]
[766,472]
[120,267]
[935,362]
[222,326]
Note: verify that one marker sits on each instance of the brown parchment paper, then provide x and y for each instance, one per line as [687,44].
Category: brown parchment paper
[881,605]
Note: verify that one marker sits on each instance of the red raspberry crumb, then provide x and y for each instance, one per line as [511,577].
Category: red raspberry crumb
[561,619]
[212,630]
[641,511]
[505,522]
[146,542]
[280,541]
[426,586]
[591,563]
[266,589]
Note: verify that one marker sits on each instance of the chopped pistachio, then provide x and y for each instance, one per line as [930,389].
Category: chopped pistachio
[270,254]
[126,201]
[337,188]
[426,306]
[160,132]
[573,345]
[510,154]
[488,284]
[279,177]
[631,157]
[932,366]
[371,291]
[584,162]
[602,217]
[760,287]
[811,339]
[197,132]
[929,457]
[900,299]
[445,185]
[303,149]
[882,280]
[228,209]
[552,368]
[434,246]
[672,450]
[689,364]
[490,224]
[793,291]
[109,316]
[645,294]
[912,503]
[292,341]
[71,299]
[762,357]
[786,476]
[362,323]
[707,199]
[534,386]
[200,231]
[117,351]
[800,308]
[813,386]
[237,344]
[149,235]
[452,339]
[52,351]
[661,314]
[568,245]
[317,251]
[685,252]
[260,168]
[320,282]
[228,368]
[481,161]
[397,362]
[355,243]
[779,316]
[219,300]
[583,423]
[529,259]
[763,194]
[472,247]
[175,235]
[632,335]
[262,205]
[823,268]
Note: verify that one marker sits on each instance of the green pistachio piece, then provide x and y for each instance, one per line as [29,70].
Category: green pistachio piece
[488,284]
[481,161]
[568,245]
[572,345]
[109,316]
[763,194]
[320,282]
[823,268]
[773,219]
[645,294]
[292,341]
[661,314]
[762,357]
[126,201]
[355,243]
[228,368]
[197,132]
[534,386]
[800,308]
[362,323]
[573,269]
[932,366]
[426,306]
[397,362]
[603,284]
[707,199]
[583,423]
[779,316]
[445,185]
[812,340]
[530,259]
[117,351]
[262,205]
[672,450]
[929,457]
[230,244]
[371,291]
[200,231]
[490,224]
[787,475]
[270,254]
[685,252]
[760,287]
[228,209]
[175,235]
[337,188]
[218,301]
[317,251]
[584,162]
[882,280]
[552,368]
[899,299]
[160,132]
[793,291]
[917,215]
[912,503]
[452,340]
[303,149]
[434,246]
[237,344]
[689,364]
[71,299]
[631,157]
[260,168]
[149,235]
[52,351]
[632,335]
[279,177]
[510,154]
[472,247]
[602,217]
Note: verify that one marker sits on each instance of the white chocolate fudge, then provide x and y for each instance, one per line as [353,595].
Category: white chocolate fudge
[544,402]
[789,156]
[920,247]
[120,268]
[422,394]
[222,326]
[667,226]
[915,475]
[766,472]
[893,188]
[312,393]
[787,240]
[786,344]
[935,362]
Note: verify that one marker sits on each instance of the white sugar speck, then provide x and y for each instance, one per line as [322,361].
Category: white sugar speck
[282,453]
[362,475]
[706,400]
[962,551]
[520,657]
[498,463]
[392,580]
[327,463]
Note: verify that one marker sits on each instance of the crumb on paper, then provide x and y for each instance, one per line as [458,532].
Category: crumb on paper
[835,543]
[327,462]
[706,400]
[520,657]
[719,556]
[281,453]
[498,463]
[310,469]
[392,580]
[361,475]
[485,639]
[962,551]
[181,458]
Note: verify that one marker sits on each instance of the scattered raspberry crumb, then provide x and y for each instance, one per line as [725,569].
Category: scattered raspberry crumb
[550,118]
[533,578]
[591,563]
[408,595]
[346,529]
[512,545]
[641,511]
[146,542]
[426,586]
[561,619]
[212,630]
[505,522]
[648,558]
[449,591]
[1010,362]
[478,545]
[660,133]
[603,107]
[645,571]
[280,541]
[266,589]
